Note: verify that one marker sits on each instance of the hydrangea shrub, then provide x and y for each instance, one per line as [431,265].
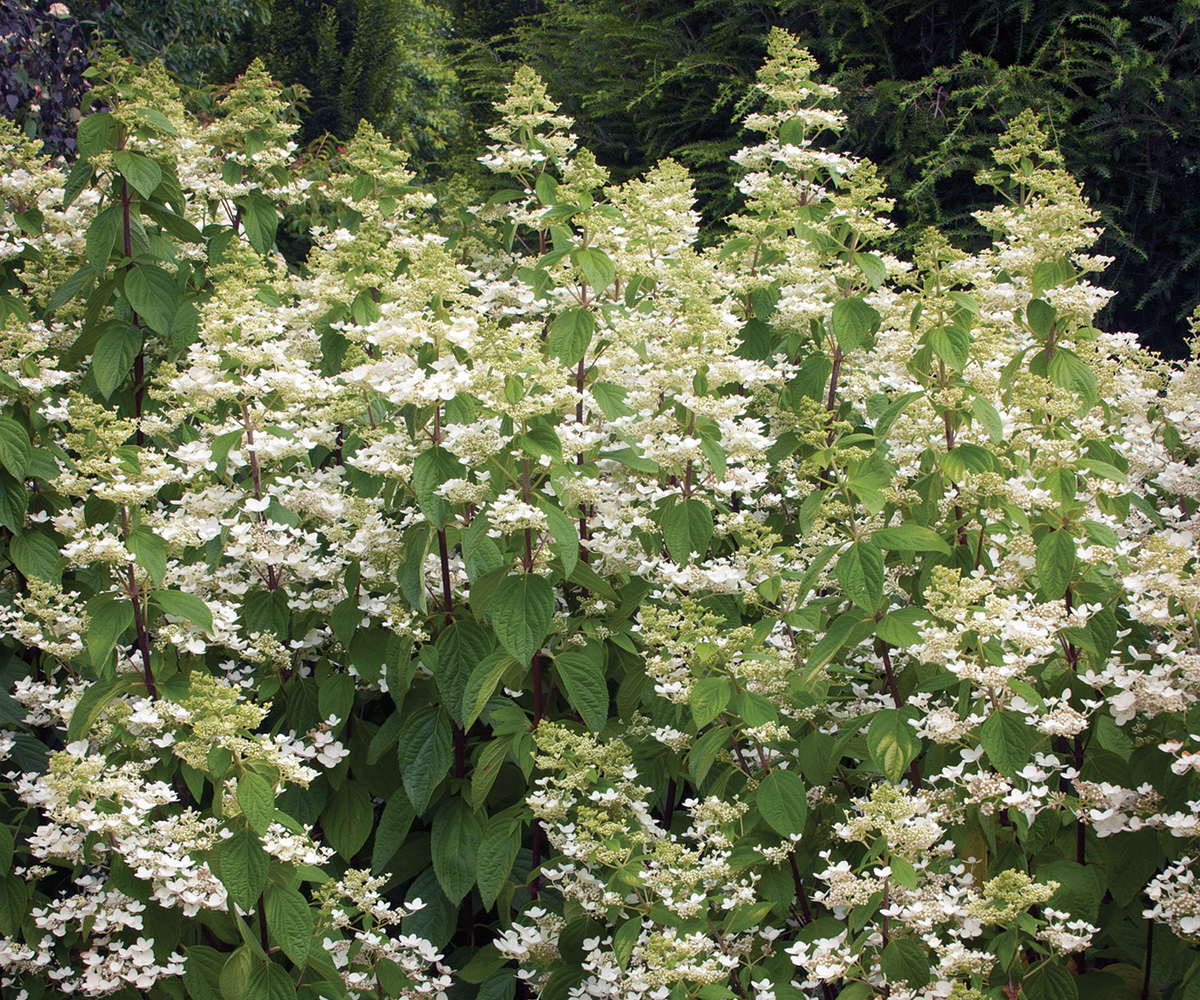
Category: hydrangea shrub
[522,599]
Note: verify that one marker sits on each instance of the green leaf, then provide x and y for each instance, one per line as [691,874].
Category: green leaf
[35,554]
[709,698]
[906,960]
[394,824]
[181,605]
[1079,891]
[96,133]
[883,423]
[965,458]
[570,334]
[899,626]
[102,237]
[14,904]
[847,627]
[242,866]
[1068,370]
[14,503]
[96,697]
[1008,740]
[150,551]
[1051,982]
[740,920]
[988,415]
[256,798]
[783,802]
[290,921]
[114,355]
[872,268]
[268,981]
[267,612]
[202,972]
[1055,563]
[852,322]
[1041,316]
[259,221]
[596,266]
[235,973]
[951,344]
[487,768]
[910,538]
[687,528]
[481,684]
[142,172]
[564,533]
[15,447]
[454,845]
[497,853]
[903,872]
[859,572]
[522,612]
[460,648]
[582,674]
[431,469]
[425,753]
[153,295]
[547,189]
[892,743]
[348,818]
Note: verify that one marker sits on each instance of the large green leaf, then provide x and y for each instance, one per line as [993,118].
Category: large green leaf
[687,529]
[242,866]
[290,921]
[259,221]
[709,698]
[152,294]
[1008,739]
[143,174]
[522,612]
[496,855]
[906,960]
[783,801]
[852,322]
[15,448]
[597,267]
[348,818]
[425,753]
[394,824]
[431,469]
[582,674]
[188,606]
[910,538]
[859,571]
[256,798]
[1055,563]
[113,357]
[35,554]
[454,844]
[481,684]
[892,743]
[460,648]
[570,334]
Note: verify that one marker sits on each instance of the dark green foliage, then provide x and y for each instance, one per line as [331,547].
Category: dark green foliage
[930,87]
[381,60]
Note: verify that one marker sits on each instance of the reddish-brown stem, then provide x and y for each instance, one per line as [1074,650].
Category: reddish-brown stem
[800,893]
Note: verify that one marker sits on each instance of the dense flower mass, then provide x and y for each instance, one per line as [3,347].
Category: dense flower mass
[520,597]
